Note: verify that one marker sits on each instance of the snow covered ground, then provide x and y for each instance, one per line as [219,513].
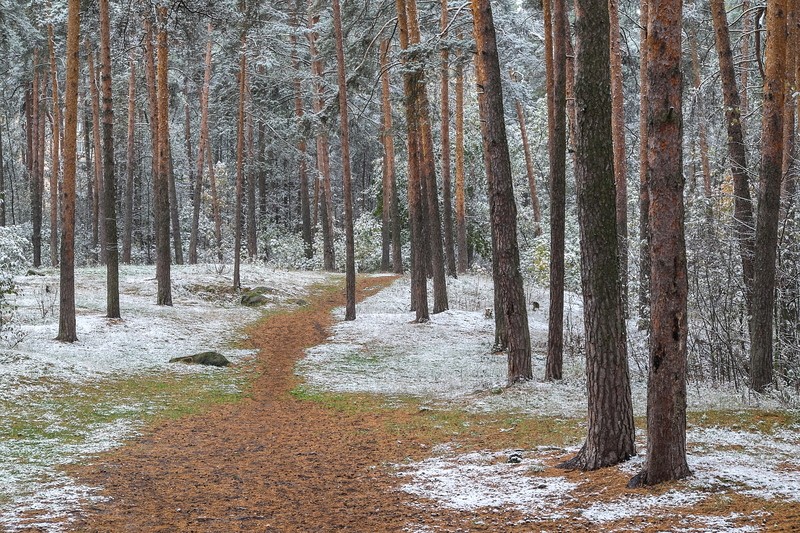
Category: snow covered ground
[38,376]
[447,362]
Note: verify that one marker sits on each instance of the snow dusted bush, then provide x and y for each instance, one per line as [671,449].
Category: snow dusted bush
[13,258]
[367,236]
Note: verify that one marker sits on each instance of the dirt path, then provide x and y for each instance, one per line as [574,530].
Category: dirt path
[269,463]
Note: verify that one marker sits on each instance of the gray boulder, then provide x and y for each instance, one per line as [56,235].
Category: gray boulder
[203,358]
[257,296]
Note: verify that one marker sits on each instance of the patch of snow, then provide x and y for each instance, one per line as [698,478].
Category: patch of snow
[633,506]
[753,467]
[35,373]
[449,359]
[484,479]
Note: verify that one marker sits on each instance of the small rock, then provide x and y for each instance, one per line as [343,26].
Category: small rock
[514,458]
[203,358]
[257,296]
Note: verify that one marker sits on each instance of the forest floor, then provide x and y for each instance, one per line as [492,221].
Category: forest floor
[310,446]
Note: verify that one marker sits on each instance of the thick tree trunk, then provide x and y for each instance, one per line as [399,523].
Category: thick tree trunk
[610,438]
[161,180]
[557,148]
[644,194]
[67,331]
[666,381]
[99,189]
[109,179]
[447,195]
[127,241]
[237,213]
[428,173]
[620,161]
[461,202]
[419,285]
[503,209]
[766,239]
[743,207]
[56,159]
[350,265]
[531,173]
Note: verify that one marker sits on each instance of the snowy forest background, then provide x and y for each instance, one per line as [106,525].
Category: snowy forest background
[277,50]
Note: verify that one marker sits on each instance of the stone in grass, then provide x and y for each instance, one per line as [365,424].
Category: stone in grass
[257,296]
[203,358]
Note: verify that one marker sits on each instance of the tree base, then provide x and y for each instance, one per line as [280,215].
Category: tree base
[644,479]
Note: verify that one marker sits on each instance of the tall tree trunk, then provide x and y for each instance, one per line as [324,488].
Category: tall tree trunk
[262,176]
[56,159]
[390,231]
[67,331]
[702,136]
[215,208]
[620,161]
[237,213]
[323,157]
[447,199]
[109,180]
[91,206]
[175,225]
[557,145]
[99,189]
[36,191]
[419,285]
[201,154]
[161,180]
[610,438]
[768,204]
[350,270]
[461,203]
[195,182]
[789,182]
[152,108]
[666,380]
[787,312]
[252,230]
[127,240]
[503,209]
[302,173]
[644,194]
[744,79]
[428,173]
[743,207]
[529,170]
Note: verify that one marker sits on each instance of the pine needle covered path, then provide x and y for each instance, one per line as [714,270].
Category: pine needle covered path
[271,462]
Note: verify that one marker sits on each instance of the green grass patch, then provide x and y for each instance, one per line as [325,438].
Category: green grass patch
[341,402]
[749,419]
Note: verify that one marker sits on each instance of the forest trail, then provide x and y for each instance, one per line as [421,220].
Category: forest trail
[284,458]
[270,462]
